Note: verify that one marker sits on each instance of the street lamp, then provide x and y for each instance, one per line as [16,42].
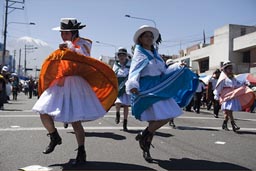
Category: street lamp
[30,23]
[108,44]
[5,36]
[139,18]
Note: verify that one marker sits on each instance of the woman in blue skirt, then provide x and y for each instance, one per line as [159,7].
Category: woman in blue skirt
[157,92]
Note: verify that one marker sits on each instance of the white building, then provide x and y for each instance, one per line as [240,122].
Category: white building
[236,43]
[108,60]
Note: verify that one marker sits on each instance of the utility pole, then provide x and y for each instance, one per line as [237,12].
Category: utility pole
[19,62]
[27,47]
[14,61]
[7,6]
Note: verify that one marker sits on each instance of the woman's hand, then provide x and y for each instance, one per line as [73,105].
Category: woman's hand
[184,64]
[134,91]
[62,46]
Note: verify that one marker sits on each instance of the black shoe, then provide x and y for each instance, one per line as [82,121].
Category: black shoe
[125,125]
[234,126]
[171,124]
[55,140]
[147,156]
[81,156]
[117,117]
[145,138]
[65,125]
[225,126]
[146,152]
[216,116]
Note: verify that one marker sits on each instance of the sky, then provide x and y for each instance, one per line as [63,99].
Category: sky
[180,22]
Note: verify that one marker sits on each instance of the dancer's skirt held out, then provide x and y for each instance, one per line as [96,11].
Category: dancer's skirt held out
[89,89]
[164,95]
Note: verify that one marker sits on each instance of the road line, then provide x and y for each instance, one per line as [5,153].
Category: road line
[116,128]
[113,116]
[19,116]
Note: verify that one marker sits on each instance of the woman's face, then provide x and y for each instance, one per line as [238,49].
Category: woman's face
[229,71]
[122,58]
[66,36]
[146,39]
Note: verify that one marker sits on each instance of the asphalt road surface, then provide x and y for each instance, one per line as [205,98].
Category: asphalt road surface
[197,143]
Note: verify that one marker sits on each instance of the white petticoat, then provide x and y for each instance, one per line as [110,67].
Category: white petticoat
[161,110]
[74,101]
[125,99]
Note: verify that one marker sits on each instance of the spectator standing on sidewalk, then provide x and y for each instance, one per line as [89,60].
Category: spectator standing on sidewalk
[198,96]
[210,96]
[2,92]
[31,86]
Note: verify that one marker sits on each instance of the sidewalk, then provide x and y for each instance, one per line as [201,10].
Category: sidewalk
[22,103]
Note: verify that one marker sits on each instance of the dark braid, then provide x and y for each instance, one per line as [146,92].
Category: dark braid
[75,34]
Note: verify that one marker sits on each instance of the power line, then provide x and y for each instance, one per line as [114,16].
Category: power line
[198,39]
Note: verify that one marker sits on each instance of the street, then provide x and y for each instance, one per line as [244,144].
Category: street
[198,142]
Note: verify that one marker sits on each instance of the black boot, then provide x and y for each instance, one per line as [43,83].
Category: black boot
[117,117]
[55,140]
[146,152]
[125,125]
[234,126]
[145,137]
[81,155]
[225,125]
[171,123]
[65,125]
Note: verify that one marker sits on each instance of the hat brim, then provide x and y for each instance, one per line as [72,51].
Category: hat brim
[59,29]
[225,66]
[144,29]
[121,53]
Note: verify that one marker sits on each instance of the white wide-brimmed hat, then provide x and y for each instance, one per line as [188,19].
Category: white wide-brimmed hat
[5,68]
[143,29]
[69,24]
[121,50]
[169,62]
[226,64]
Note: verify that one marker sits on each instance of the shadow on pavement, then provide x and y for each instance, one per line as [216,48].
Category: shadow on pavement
[12,110]
[195,128]
[246,132]
[160,134]
[104,135]
[191,164]
[95,165]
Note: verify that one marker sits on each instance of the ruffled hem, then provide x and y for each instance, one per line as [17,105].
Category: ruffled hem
[74,101]
[161,110]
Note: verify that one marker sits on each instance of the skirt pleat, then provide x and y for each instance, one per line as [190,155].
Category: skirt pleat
[74,101]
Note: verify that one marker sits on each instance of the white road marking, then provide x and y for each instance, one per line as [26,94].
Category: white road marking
[15,126]
[19,116]
[220,142]
[110,128]
[130,116]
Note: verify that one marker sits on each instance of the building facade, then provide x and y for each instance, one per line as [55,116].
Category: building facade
[235,43]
